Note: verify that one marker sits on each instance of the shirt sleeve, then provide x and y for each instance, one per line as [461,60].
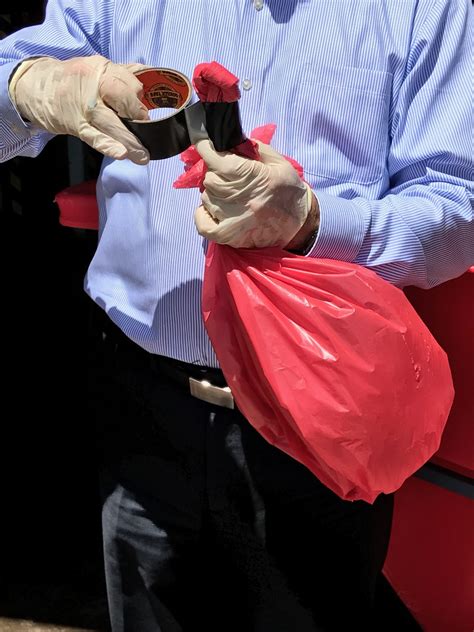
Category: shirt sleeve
[422,231]
[71,28]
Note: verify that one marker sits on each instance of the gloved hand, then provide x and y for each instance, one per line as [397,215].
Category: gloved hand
[83,96]
[248,203]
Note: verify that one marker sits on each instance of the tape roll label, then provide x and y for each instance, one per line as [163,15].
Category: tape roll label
[164,88]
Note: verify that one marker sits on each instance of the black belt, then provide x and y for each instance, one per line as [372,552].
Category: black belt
[180,371]
[205,383]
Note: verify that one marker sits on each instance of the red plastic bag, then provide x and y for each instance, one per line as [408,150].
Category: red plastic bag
[330,363]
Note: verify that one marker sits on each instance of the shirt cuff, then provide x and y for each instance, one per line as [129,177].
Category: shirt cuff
[13,127]
[343,225]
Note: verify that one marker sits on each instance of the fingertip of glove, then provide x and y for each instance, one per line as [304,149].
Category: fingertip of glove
[204,221]
[117,154]
[205,148]
[141,158]
[142,114]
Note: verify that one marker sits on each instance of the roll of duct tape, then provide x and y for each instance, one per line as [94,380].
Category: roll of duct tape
[169,136]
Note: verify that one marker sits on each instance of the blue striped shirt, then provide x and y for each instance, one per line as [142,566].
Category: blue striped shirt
[373,97]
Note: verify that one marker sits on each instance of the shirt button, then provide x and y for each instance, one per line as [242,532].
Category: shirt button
[258,4]
[246,84]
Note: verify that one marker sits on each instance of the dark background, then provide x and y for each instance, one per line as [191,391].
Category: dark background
[50,549]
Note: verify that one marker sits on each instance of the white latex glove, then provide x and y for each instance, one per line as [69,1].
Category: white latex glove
[251,204]
[84,97]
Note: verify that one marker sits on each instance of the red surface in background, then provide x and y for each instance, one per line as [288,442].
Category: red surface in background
[430,561]
[431,557]
[78,206]
[448,310]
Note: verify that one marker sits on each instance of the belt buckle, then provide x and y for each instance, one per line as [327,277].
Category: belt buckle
[218,395]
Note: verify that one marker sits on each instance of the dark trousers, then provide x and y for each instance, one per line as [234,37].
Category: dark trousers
[208,527]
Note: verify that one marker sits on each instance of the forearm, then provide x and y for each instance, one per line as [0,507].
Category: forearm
[70,29]
[421,236]
[17,138]
[421,230]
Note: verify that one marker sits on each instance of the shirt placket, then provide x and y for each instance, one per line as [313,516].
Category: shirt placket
[251,61]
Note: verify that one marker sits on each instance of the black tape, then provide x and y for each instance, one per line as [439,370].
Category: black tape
[164,138]
[223,125]
[172,135]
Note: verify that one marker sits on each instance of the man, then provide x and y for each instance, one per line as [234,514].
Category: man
[205,524]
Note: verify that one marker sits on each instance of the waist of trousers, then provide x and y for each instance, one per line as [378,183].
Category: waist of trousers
[205,383]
